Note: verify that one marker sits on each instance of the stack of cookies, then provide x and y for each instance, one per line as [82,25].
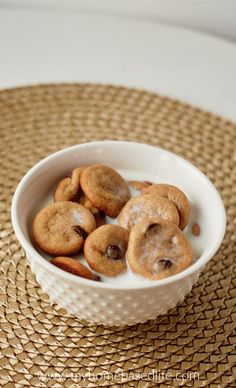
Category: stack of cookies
[93,213]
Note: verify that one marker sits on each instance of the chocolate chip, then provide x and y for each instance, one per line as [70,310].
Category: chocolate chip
[196,231]
[165,263]
[152,226]
[69,175]
[80,231]
[113,252]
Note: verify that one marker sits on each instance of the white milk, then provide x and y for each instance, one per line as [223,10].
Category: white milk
[129,277]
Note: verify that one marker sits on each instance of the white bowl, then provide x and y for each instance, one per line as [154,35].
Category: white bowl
[116,303]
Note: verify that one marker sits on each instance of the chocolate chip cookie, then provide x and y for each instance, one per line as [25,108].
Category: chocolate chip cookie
[74,266]
[139,185]
[147,206]
[87,203]
[158,249]
[68,189]
[105,188]
[176,196]
[61,228]
[105,250]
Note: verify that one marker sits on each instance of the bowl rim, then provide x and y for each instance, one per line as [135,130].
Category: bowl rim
[31,251]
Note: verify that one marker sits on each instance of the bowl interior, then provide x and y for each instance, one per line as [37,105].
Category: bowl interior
[133,161]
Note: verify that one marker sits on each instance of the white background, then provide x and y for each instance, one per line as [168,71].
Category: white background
[123,42]
[217,17]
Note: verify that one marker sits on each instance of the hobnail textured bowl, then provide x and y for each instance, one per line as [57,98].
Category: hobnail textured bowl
[114,303]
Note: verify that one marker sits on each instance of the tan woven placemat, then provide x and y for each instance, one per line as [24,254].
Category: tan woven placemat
[42,345]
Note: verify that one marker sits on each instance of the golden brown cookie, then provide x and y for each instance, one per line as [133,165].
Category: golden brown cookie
[158,249]
[105,250]
[139,185]
[99,216]
[176,196]
[87,203]
[147,206]
[105,188]
[68,189]
[74,266]
[61,228]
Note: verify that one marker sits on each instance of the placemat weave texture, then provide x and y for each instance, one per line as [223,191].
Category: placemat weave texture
[41,344]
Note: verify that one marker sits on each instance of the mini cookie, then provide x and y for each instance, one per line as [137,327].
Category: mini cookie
[74,266]
[138,185]
[88,204]
[105,188]
[99,216]
[176,196]
[158,249]
[61,228]
[147,206]
[68,188]
[105,250]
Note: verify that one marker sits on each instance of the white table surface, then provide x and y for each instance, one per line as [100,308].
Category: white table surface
[41,46]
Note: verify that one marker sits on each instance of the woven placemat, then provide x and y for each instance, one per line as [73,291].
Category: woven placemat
[41,344]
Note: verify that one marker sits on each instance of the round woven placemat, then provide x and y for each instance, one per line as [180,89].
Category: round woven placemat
[41,344]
